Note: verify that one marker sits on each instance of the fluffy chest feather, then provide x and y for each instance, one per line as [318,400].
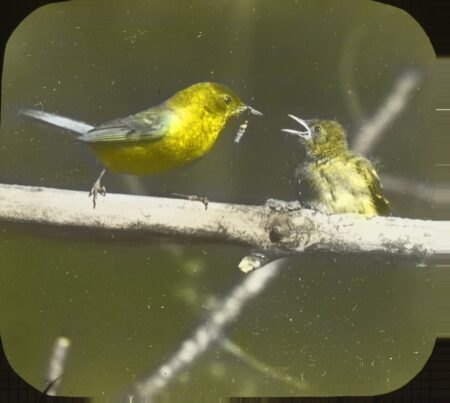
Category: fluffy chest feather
[336,186]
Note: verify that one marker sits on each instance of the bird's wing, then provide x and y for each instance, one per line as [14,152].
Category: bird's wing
[365,169]
[149,125]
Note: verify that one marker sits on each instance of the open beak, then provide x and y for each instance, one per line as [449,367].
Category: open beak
[303,134]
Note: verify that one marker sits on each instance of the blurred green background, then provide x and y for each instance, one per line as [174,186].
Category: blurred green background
[339,324]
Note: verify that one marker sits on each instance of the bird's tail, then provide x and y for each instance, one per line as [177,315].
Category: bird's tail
[59,121]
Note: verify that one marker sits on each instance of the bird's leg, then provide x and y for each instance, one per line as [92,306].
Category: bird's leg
[97,188]
[200,199]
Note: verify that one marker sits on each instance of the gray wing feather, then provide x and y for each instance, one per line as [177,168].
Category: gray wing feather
[148,125]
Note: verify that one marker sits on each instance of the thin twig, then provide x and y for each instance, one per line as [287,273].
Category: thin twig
[211,330]
[432,193]
[51,387]
[56,365]
[297,383]
[370,134]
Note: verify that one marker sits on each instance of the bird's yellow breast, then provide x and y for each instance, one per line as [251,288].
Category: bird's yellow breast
[188,138]
[341,188]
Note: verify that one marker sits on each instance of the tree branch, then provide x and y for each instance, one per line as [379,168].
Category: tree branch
[371,132]
[437,193]
[211,330]
[282,233]
[57,363]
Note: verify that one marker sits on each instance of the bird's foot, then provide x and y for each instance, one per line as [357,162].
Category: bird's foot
[201,199]
[282,206]
[97,189]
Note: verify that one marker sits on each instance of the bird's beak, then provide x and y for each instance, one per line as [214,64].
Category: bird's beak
[306,134]
[252,110]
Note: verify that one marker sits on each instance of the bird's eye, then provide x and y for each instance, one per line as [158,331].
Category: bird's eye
[227,99]
[317,129]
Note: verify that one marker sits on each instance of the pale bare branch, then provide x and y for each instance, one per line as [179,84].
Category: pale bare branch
[56,365]
[371,132]
[257,227]
[209,332]
[431,193]
[264,369]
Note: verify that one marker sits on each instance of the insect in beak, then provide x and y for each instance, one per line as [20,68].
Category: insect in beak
[241,131]
[243,126]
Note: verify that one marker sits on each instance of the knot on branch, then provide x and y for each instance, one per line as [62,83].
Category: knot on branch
[279,228]
[285,233]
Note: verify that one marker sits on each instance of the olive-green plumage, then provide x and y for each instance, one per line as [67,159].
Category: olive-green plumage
[333,179]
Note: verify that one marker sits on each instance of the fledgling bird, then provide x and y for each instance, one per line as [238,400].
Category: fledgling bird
[172,134]
[333,179]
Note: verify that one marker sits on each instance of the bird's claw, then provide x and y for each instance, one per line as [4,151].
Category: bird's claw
[201,199]
[95,191]
[97,188]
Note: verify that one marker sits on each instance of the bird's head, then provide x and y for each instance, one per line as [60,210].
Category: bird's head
[217,100]
[322,138]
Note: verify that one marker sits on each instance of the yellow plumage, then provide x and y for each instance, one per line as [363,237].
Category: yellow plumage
[167,136]
[192,120]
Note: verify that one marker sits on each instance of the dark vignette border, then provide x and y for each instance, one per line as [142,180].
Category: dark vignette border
[432,384]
